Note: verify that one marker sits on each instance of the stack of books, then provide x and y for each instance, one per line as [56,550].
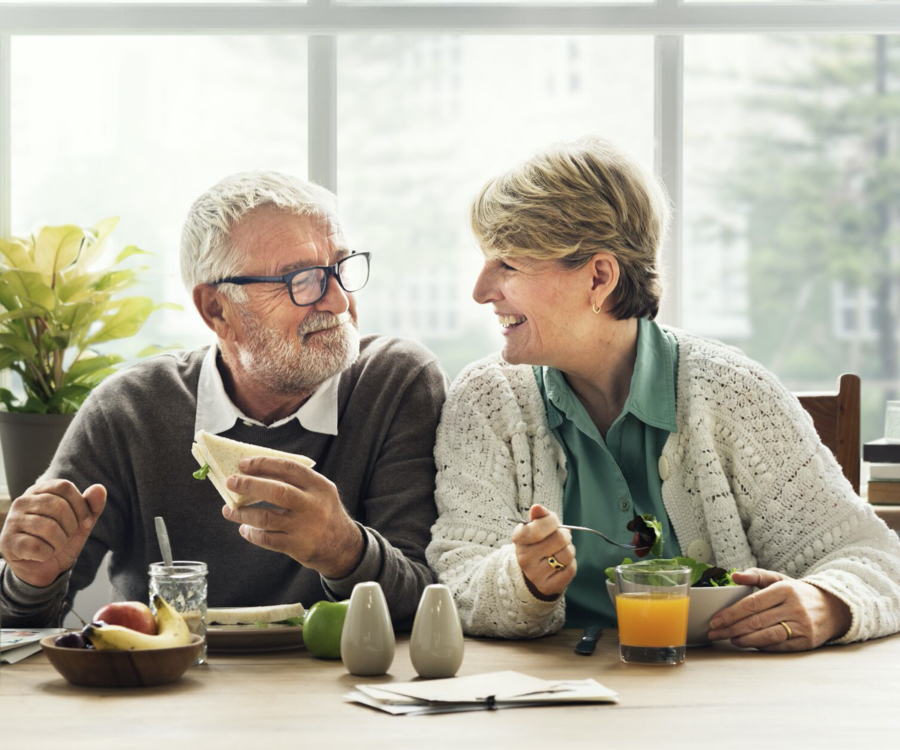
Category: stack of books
[884,471]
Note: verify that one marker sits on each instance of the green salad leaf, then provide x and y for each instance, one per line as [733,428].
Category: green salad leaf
[648,529]
[201,472]
[647,535]
[703,575]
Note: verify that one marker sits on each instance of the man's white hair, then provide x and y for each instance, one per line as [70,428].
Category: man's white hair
[207,253]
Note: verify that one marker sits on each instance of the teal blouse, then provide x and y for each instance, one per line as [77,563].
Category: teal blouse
[610,480]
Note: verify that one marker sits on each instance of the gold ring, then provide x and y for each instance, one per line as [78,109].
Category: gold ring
[555,564]
[787,629]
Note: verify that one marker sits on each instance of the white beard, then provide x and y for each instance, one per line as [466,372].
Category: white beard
[290,366]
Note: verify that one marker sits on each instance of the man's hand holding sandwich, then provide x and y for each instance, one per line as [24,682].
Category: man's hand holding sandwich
[309,523]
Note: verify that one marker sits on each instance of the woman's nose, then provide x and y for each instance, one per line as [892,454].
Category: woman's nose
[484,290]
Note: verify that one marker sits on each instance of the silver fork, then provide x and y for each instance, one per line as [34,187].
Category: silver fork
[585,528]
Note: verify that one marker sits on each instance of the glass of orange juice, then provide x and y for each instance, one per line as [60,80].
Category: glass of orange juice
[652,608]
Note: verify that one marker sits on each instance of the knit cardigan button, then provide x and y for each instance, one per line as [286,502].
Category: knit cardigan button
[663,468]
[700,550]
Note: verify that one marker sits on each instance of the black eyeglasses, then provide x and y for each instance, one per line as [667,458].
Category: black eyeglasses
[308,285]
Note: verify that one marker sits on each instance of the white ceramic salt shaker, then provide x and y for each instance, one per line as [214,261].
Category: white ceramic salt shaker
[436,645]
[367,641]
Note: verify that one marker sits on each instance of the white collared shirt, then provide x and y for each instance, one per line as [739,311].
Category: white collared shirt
[216,412]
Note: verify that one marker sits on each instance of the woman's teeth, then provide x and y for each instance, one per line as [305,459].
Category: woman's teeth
[511,321]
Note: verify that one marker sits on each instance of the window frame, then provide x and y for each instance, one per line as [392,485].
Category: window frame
[668,21]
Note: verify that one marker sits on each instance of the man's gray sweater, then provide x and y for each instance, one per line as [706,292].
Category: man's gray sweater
[134,436]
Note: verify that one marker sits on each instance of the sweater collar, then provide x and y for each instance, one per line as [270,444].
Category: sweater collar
[217,413]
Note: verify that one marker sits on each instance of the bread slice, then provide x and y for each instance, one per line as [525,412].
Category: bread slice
[223,455]
[253,615]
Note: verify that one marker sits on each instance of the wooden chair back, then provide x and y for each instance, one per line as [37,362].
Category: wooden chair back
[836,417]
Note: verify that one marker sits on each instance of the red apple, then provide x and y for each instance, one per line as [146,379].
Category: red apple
[134,615]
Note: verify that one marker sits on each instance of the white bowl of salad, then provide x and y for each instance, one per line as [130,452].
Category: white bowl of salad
[712,590]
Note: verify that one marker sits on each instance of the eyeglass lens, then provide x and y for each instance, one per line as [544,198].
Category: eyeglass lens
[352,272]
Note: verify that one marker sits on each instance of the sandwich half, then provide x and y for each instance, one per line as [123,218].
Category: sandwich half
[276,614]
[219,457]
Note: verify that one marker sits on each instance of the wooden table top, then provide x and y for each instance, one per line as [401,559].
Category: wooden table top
[837,697]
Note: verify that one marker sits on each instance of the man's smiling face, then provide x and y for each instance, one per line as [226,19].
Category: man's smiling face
[292,349]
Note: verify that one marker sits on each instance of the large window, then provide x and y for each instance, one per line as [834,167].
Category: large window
[138,127]
[779,148]
[791,146]
[424,121]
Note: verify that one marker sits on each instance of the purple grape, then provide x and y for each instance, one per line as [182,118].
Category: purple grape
[71,640]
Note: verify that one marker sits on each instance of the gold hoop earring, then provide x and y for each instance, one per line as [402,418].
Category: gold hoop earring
[596,310]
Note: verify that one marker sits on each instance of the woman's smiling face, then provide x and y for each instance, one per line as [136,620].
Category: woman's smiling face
[538,304]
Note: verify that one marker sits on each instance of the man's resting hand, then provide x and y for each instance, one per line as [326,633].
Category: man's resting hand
[47,527]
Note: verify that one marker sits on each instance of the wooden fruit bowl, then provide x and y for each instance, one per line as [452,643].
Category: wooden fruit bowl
[91,668]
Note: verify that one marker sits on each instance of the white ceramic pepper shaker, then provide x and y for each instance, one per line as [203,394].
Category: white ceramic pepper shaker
[436,645]
[367,641]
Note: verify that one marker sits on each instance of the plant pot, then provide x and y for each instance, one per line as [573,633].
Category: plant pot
[29,442]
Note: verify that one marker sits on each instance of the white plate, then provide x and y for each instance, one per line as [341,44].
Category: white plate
[235,639]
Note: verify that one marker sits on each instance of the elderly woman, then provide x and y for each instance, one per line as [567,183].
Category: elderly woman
[594,412]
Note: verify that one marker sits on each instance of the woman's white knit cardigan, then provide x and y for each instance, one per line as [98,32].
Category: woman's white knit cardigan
[748,476]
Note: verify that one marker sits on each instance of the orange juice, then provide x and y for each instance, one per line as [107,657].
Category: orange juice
[654,620]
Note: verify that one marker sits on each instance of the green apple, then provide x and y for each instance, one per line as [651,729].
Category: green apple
[322,628]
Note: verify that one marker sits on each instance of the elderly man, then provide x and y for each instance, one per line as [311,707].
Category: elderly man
[273,277]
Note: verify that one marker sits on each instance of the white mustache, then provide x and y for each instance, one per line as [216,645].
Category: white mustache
[333,321]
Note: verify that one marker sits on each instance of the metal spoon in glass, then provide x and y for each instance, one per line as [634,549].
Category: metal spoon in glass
[585,528]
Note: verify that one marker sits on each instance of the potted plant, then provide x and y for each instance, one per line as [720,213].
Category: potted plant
[55,309]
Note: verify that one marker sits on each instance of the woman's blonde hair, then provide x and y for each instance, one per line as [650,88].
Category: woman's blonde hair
[574,200]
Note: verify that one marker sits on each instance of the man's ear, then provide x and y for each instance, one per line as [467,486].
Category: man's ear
[604,271]
[216,310]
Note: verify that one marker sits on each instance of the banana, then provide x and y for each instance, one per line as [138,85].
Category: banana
[173,631]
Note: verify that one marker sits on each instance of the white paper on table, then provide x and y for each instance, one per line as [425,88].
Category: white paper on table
[492,690]
[15,637]
[418,708]
[569,691]
[475,689]
[13,655]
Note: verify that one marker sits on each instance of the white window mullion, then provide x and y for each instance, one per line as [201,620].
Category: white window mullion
[668,119]
[5,136]
[5,179]
[322,114]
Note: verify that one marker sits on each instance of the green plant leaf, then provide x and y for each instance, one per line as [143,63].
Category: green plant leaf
[131,315]
[95,378]
[8,357]
[128,252]
[115,281]
[51,342]
[153,349]
[16,344]
[75,288]
[17,254]
[69,394]
[7,298]
[33,406]
[98,235]
[29,286]
[57,248]
[8,399]
[87,365]
[22,312]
